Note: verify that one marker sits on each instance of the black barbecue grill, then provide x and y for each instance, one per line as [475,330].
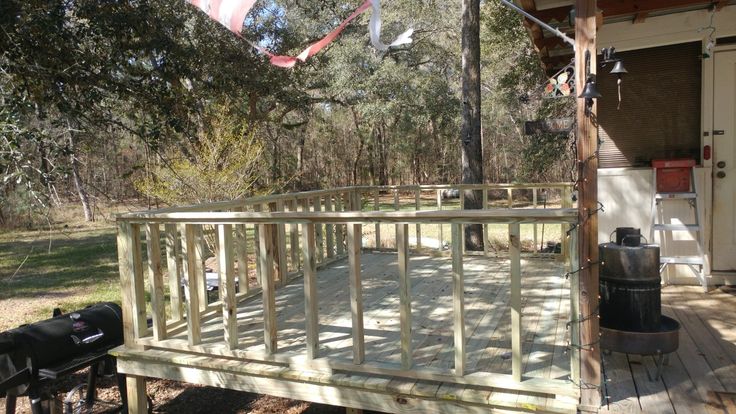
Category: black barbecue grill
[33,357]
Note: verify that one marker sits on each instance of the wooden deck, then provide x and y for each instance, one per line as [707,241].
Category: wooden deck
[545,301]
[700,376]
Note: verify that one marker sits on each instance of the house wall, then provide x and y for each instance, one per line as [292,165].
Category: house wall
[626,195]
[627,192]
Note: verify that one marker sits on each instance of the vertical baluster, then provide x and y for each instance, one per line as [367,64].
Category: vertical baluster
[462,229]
[439,207]
[241,254]
[402,245]
[537,248]
[418,207]
[357,201]
[397,207]
[574,306]
[226,270]
[294,237]
[340,228]
[266,257]
[565,249]
[356,292]
[173,264]
[458,299]
[486,241]
[279,247]
[131,279]
[515,257]
[257,246]
[199,249]
[156,281]
[192,271]
[310,290]
[318,232]
[329,229]
[509,198]
[377,207]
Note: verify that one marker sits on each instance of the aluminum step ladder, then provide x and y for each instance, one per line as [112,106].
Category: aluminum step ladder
[658,227]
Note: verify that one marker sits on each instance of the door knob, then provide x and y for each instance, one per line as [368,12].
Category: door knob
[721,174]
[721,164]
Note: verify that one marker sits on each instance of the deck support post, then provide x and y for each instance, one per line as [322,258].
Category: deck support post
[133,305]
[135,388]
[587,144]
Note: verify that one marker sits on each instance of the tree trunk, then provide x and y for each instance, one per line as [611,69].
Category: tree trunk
[472,152]
[361,144]
[83,197]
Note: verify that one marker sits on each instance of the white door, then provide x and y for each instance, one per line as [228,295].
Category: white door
[724,161]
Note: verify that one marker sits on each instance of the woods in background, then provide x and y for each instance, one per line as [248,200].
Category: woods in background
[114,101]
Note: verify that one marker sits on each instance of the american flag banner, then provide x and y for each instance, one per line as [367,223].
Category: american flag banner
[230,13]
[290,61]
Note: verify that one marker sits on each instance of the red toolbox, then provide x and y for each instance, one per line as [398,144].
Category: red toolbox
[673,176]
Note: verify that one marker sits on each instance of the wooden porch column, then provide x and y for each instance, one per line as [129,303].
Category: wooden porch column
[587,143]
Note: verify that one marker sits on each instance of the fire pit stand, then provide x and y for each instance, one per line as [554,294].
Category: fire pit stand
[631,317]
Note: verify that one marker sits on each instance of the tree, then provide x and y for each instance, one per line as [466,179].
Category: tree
[472,151]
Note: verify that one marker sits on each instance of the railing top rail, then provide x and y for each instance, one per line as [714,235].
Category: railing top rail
[230,204]
[408,217]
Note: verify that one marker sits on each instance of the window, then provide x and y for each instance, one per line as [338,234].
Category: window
[660,108]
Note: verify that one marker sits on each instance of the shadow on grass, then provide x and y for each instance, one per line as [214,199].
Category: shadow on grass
[85,262]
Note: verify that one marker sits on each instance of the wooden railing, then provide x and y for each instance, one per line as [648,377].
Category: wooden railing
[292,235]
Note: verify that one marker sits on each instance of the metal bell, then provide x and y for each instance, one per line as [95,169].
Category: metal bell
[618,68]
[590,91]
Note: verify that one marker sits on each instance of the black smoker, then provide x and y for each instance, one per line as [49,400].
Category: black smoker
[631,301]
[630,285]
[33,356]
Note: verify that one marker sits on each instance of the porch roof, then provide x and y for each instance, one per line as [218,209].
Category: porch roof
[555,53]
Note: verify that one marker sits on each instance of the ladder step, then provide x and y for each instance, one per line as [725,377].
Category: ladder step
[677,227]
[691,260]
[667,196]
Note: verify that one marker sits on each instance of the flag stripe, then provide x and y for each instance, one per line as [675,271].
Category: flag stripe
[229,13]
[290,61]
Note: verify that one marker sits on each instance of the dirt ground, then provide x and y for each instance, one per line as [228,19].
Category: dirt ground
[181,398]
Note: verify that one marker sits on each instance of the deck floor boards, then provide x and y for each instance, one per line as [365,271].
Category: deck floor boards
[487,313]
[703,365]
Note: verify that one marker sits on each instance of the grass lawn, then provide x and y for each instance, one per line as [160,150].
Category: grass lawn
[43,270]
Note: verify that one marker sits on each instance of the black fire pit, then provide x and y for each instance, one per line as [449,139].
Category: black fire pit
[630,299]
[33,357]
